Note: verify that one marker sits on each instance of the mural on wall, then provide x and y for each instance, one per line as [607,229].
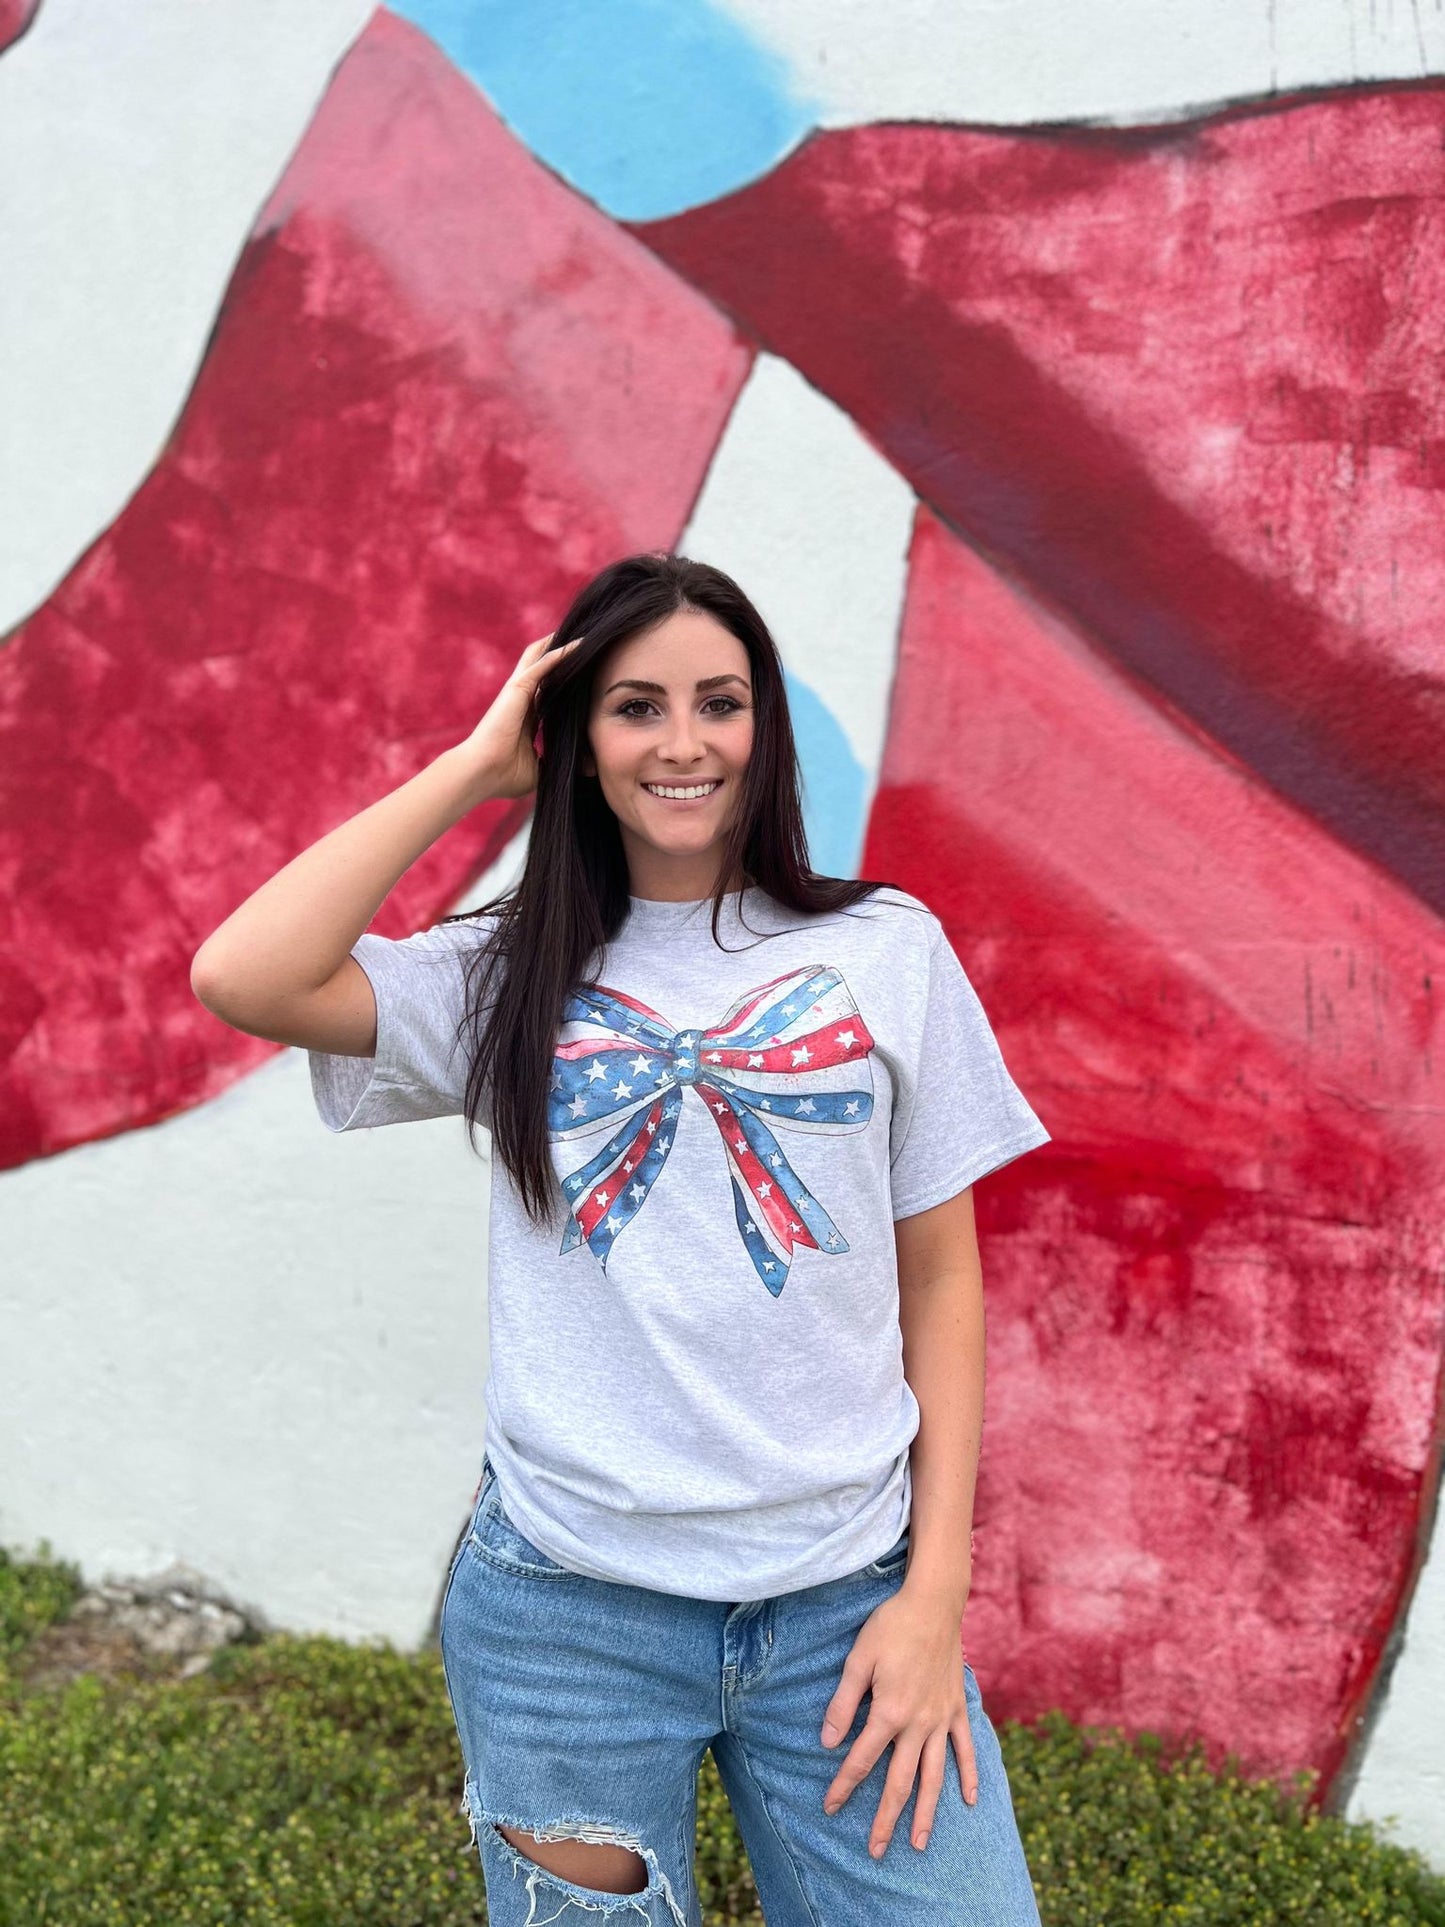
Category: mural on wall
[1159,748]
[15,17]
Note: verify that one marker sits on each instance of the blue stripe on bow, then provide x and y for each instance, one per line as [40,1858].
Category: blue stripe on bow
[784,1008]
[771,1268]
[625,1207]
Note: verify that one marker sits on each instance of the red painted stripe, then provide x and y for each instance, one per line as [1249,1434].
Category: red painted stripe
[1181,383]
[1215,1302]
[402,455]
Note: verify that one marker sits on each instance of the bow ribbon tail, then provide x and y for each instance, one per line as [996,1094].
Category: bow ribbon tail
[607,1192]
[774,1209]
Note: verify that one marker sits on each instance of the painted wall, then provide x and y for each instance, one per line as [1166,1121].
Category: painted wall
[1065,390]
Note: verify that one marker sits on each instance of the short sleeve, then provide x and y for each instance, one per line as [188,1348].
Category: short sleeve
[962,1115]
[421,1062]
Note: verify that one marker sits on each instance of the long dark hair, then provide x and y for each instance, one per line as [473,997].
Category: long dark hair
[572,897]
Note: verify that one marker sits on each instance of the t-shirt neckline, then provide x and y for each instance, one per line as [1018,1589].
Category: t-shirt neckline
[661,913]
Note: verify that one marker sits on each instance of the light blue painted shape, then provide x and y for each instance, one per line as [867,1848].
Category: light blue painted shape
[834,787]
[645,106]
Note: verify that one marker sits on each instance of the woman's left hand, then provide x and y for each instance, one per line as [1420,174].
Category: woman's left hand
[909,1654]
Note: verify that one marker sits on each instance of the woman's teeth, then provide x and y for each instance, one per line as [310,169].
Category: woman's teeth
[695,789]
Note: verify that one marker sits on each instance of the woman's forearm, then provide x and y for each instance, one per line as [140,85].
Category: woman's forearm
[293,934]
[941,1313]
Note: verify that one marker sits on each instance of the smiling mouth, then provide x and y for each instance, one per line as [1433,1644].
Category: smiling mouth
[683,792]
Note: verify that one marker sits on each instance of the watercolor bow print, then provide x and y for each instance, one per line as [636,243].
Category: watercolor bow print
[792,1052]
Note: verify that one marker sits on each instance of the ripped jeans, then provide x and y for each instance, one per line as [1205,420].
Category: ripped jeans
[584,1709]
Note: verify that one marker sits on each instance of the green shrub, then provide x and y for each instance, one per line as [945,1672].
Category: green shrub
[1117,1835]
[309,1782]
[298,1782]
[34,1592]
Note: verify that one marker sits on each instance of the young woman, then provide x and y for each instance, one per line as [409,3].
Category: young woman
[735,1308]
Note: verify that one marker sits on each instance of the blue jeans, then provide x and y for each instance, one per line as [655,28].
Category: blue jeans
[584,1709]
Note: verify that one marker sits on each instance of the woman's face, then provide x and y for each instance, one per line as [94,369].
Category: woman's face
[672,709]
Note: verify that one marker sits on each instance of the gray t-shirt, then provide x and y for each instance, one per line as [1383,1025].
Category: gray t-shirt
[696,1385]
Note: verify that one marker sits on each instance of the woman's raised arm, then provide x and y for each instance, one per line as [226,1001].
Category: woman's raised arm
[280,966]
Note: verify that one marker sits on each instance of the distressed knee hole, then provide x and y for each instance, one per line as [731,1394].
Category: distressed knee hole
[612,1870]
[614,1865]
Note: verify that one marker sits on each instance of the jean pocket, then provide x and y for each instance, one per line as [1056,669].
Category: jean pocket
[891,1562]
[495,1539]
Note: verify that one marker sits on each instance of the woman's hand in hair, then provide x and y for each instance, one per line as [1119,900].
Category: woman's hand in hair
[502,740]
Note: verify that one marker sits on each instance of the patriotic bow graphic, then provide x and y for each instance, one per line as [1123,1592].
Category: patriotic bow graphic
[791,1052]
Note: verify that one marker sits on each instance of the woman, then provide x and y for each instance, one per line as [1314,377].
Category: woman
[735,1307]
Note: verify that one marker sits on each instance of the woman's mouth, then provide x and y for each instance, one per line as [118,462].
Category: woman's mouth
[683,792]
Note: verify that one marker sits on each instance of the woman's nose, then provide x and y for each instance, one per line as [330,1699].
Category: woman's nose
[683,743]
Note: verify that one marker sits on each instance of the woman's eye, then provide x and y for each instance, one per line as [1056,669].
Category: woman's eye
[636,703]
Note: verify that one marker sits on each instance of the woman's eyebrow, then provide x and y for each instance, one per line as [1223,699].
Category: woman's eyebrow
[660,689]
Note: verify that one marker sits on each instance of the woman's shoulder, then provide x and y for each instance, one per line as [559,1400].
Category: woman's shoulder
[467,926]
[896,896]
[900,911]
[449,937]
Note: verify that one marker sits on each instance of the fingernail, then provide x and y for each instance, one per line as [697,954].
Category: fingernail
[921,1841]
[973,1798]
[830,1734]
[877,1852]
